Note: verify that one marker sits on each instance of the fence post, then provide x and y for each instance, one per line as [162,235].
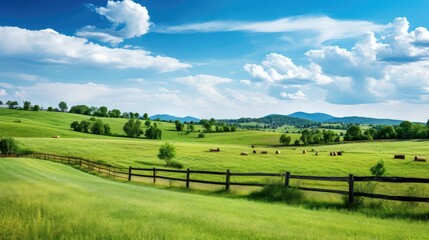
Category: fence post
[129,173]
[154,175]
[187,177]
[287,177]
[68,160]
[351,189]
[99,167]
[227,180]
[80,162]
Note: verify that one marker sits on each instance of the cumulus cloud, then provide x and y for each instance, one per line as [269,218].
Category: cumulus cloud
[129,20]
[381,67]
[49,46]
[294,96]
[22,76]
[324,27]
[205,84]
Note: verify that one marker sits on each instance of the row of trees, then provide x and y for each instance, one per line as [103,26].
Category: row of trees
[218,126]
[313,136]
[405,130]
[103,111]
[95,126]
[133,129]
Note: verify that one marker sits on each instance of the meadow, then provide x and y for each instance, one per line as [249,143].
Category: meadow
[34,130]
[46,200]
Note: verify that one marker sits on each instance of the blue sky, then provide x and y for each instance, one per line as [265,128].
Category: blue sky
[222,59]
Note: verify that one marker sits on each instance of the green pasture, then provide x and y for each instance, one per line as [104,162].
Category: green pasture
[46,200]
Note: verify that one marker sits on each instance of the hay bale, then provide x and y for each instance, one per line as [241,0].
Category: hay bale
[317,153]
[340,153]
[304,151]
[244,154]
[264,152]
[333,153]
[420,158]
[215,150]
[399,156]
[254,151]
[56,136]
[277,152]
[253,146]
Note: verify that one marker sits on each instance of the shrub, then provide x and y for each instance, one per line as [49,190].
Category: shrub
[378,169]
[8,146]
[175,164]
[201,135]
[277,192]
[297,142]
[167,152]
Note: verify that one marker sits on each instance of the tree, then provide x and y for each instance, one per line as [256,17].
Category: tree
[12,104]
[378,169]
[136,115]
[191,127]
[405,130]
[98,127]
[80,109]
[75,125]
[1,103]
[8,146]
[102,112]
[285,139]
[329,136]
[386,132]
[354,133]
[153,133]
[107,130]
[36,108]
[63,106]
[147,123]
[132,128]
[145,116]
[115,113]
[50,109]
[27,105]
[167,152]
[179,126]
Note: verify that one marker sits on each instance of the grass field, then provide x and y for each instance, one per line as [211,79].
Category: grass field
[45,200]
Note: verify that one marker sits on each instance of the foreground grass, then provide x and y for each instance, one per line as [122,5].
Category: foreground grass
[45,200]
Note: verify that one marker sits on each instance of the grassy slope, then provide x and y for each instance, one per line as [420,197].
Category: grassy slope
[46,200]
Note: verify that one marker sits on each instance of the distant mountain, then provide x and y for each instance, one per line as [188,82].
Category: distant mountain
[317,117]
[166,117]
[364,120]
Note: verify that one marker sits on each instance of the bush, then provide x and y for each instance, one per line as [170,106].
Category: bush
[8,146]
[276,192]
[167,152]
[201,135]
[175,164]
[378,169]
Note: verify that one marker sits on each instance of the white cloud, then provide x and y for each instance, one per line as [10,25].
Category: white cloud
[205,84]
[324,27]
[294,96]
[6,85]
[246,82]
[391,66]
[52,47]
[3,93]
[22,76]
[129,20]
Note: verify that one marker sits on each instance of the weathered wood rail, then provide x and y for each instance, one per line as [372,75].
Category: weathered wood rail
[154,174]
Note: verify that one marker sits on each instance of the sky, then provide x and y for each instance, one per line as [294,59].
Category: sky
[221,59]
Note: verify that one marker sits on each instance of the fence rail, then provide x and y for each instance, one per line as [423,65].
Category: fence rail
[152,173]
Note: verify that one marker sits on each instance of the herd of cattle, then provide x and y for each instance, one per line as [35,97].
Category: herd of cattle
[338,153]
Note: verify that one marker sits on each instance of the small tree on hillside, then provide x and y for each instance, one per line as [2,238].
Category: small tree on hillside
[167,152]
[26,105]
[285,139]
[63,106]
[145,116]
[36,108]
[132,128]
[8,146]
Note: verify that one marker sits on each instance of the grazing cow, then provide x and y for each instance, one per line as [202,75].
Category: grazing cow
[277,152]
[420,158]
[215,150]
[264,152]
[304,151]
[254,151]
[244,154]
[399,156]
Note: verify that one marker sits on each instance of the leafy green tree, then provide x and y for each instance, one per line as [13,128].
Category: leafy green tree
[1,102]
[329,136]
[285,139]
[115,113]
[136,115]
[226,128]
[153,132]
[80,109]
[179,126]
[107,129]
[75,125]
[27,105]
[85,126]
[147,123]
[63,106]
[405,130]
[233,128]
[145,116]
[102,112]
[36,108]
[378,169]
[8,146]
[12,104]
[132,128]
[98,127]
[191,127]
[167,152]
[354,133]
[125,115]
[50,109]
[297,142]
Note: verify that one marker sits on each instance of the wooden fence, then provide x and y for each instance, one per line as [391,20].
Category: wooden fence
[153,173]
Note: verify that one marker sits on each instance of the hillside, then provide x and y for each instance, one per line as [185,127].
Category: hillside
[274,120]
[364,120]
[47,200]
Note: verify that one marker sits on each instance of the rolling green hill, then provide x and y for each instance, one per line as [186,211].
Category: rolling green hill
[45,200]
